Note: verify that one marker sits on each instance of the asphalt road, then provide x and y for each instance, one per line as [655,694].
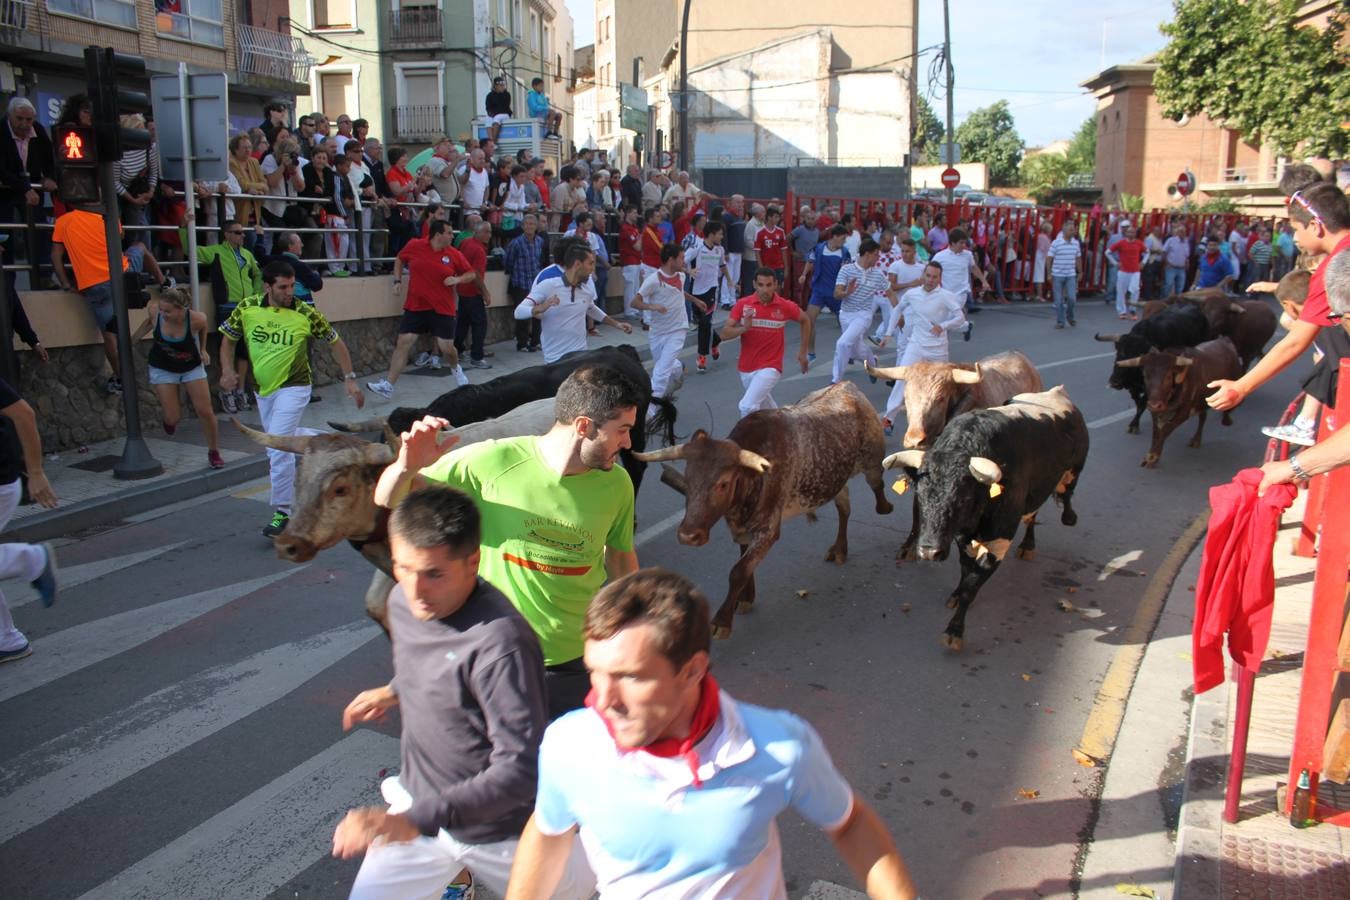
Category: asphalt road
[176,731]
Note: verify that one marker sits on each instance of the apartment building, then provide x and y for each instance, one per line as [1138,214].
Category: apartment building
[631,38]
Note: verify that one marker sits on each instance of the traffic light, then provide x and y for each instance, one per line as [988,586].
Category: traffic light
[103,67]
[76,163]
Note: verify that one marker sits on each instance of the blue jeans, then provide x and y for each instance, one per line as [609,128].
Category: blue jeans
[1065,291]
[1174,280]
[1110,288]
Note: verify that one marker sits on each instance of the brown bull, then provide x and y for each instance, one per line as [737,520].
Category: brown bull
[774,465]
[1175,382]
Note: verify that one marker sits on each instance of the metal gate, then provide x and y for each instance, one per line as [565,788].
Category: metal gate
[749,182]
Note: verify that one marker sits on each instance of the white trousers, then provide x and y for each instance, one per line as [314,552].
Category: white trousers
[1126,282]
[367,218]
[666,365]
[421,868]
[730,288]
[852,343]
[24,561]
[882,306]
[281,413]
[912,354]
[757,386]
[337,244]
[632,280]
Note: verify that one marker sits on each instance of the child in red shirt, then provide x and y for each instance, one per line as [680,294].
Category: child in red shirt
[771,242]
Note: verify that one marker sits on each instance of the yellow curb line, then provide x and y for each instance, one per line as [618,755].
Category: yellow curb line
[1108,709]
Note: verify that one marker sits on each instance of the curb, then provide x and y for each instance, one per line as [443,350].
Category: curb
[115,507]
[1198,853]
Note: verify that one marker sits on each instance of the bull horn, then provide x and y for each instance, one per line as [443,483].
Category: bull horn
[673,477]
[985,470]
[393,440]
[1104,338]
[967,376]
[891,373]
[380,454]
[1183,361]
[1237,308]
[1131,363]
[361,425]
[905,459]
[289,443]
[752,460]
[665,453]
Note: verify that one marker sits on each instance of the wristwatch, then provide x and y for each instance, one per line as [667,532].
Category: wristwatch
[350,376]
[1297,469]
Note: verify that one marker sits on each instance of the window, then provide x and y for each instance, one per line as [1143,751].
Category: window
[113,12]
[517,21]
[334,13]
[337,94]
[198,21]
[608,20]
[534,32]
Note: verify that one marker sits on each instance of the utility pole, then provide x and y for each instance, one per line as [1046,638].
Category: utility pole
[951,100]
[684,87]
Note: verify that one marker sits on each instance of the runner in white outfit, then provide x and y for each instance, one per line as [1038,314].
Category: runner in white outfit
[855,286]
[662,296]
[563,304]
[905,273]
[889,256]
[930,311]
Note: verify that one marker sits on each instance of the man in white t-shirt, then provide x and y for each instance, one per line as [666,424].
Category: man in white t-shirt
[855,287]
[563,303]
[749,255]
[903,274]
[662,296]
[958,264]
[473,180]
[929,312]
[673,785]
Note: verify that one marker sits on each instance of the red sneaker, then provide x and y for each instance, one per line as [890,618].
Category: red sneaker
[213,459]
[702,364]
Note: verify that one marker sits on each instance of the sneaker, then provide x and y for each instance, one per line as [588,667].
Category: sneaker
[874,340]
[716,352]
[277,525]
[1300,432]
[314,398]
[459,890]
[169,429]
[460,378]
[113,385]
[11,655]
[382,387]
[45,583]
[227,402]
[423,359]
[244,399]
[535,348]
[702,364]
[970,327]
[214,460]
[434,362]
[1073,324]
[1059,325]
[479,364]
[887,426]
[340,273]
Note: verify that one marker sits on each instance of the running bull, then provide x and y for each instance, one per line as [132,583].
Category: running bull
[774,465]
[1176,383]
[1183,325]
[990,470]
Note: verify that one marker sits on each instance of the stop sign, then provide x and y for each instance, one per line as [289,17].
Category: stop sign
[950,178]
[1185,183]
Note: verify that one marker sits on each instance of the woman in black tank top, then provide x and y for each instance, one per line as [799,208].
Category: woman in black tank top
[178,357]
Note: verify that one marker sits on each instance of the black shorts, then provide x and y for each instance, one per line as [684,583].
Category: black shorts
[427,321]
[1321,382]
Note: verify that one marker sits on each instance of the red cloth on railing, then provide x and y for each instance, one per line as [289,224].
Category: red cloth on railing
[1236,590]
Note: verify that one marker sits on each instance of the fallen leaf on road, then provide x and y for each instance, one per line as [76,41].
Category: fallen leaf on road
[1065,606]
[1135,890]
[1083,759]
[1071,589]
[1026,677]
[802,593]
[1028,793]
[906,607]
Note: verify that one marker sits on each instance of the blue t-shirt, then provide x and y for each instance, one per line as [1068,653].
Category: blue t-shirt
[1211,274]
[537,104]
[826,264]
[648,831]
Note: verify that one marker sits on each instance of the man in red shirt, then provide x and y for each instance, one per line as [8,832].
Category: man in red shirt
[630,258]
[771,242]
[434,269]
[760,319]
[1130,253]
[473,298]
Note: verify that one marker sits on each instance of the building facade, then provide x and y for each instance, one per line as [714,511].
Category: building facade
[631,39]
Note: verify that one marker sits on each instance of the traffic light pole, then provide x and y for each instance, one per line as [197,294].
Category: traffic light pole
[136,460]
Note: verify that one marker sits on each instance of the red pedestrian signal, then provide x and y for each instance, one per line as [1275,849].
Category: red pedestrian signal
[75,145]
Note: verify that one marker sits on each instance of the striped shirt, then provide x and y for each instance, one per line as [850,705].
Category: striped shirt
[869,283]
[1259,252]
[1064,257]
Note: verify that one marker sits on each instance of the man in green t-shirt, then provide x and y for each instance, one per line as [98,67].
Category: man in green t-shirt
[276,330]
[557,513]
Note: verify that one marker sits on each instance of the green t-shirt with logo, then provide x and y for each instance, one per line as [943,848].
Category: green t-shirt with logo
[544,534]
[278,340]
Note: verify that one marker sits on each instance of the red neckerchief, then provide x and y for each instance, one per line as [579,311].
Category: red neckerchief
[705,715]
[1212,258]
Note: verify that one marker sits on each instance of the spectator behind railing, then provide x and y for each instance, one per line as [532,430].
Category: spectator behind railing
[281,170]
[319,184]
[364,202]
[441,167]
[247,171]
[384,213]
[402,186]
[26,160]
[137,175]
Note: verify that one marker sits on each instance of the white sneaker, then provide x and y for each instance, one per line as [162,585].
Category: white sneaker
[433,362]
[382,387]
[460,378]
[423,359]
[1299,432]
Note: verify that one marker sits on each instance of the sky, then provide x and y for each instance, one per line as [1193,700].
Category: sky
[1033,53]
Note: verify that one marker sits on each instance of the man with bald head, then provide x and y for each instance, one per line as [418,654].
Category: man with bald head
[682,189]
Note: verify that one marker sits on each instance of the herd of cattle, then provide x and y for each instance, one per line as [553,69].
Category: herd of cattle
[986,445]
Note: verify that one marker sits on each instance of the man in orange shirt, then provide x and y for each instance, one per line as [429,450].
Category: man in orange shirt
[80,234]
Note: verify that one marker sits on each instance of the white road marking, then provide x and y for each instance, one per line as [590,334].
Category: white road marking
[654,531]
[1111,419]
[1040,367]
[828,890]
[268,837]
[66,770]
[71,576]
[57,655]
[1115,565]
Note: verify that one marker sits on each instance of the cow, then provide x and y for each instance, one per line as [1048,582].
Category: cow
[935,392]
[335,490]
[989,470]
[1183,325]
[1176,382]
[776,464]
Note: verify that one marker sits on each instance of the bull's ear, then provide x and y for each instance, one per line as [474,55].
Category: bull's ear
[392,439]
[699,435]
[905,459]
[985,470]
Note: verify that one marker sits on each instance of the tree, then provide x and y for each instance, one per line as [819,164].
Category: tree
[1082,154]
[988,135]
[1249,66]
[1043,173]
[927,134]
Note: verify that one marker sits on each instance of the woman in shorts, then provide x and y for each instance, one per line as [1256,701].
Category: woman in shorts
[178,357]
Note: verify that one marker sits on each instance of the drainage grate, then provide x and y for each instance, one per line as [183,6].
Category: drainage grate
[97,464]
[1264,870]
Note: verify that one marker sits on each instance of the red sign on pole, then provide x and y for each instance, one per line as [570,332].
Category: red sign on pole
[1185,183]
[951,178]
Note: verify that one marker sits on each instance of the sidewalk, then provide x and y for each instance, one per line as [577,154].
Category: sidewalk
[1261,855]
[91,497]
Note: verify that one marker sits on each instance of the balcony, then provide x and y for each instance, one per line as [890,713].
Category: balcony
[418,123]
[415,26]
[14,16]
[270,57]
